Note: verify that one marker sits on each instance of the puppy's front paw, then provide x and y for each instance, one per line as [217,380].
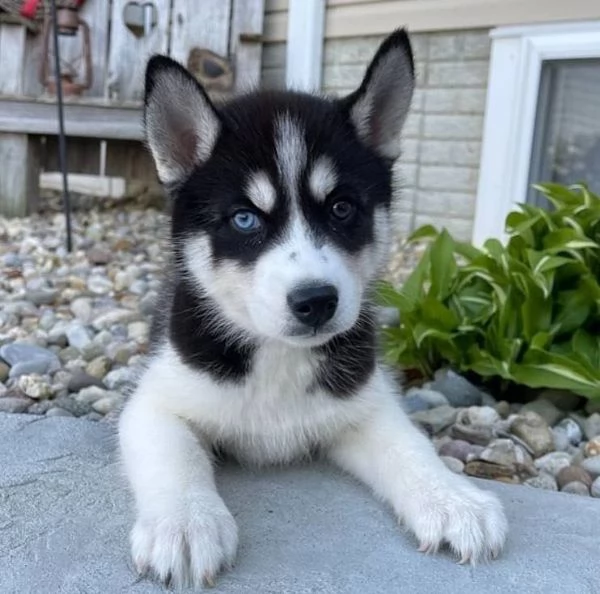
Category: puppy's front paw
[470,520]
[187,545]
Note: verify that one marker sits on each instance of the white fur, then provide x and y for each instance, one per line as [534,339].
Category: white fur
[181,126]
[323,178]
[176,413]
[261,191]
[290,153]
[255,298]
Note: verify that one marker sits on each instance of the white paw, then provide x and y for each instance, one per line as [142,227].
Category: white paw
[469,520]
[188,545]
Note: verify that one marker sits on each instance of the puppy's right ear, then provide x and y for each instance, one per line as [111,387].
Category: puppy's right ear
[181,124]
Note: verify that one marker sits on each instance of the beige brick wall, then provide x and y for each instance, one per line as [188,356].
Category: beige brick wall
[438,171]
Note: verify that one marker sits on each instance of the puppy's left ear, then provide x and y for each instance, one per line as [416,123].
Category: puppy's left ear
[378,108]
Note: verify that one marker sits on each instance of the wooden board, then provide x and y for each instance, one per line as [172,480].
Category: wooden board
[12,58]
[19,159]
[19,155]
[87,120]
[129,53]
[202,24]
[245,44]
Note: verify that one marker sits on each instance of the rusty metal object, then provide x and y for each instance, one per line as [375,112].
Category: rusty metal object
[69,24]
[214,72]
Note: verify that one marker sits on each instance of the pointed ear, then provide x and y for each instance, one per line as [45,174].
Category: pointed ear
[380,105]
[181,125]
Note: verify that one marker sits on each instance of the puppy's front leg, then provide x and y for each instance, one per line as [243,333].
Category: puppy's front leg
[184,533]
[400,464]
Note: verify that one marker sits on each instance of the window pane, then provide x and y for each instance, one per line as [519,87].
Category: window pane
[566,142]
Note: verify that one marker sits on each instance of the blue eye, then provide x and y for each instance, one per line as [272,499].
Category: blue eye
[246,221]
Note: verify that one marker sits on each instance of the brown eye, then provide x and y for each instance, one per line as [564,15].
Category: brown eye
[342,210]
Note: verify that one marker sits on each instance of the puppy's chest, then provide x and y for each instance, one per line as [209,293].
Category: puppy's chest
[278,412]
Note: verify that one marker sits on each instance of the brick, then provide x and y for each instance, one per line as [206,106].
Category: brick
[412,125]
[450,152]
[404,200]
[464,45]
[458,74]
[464,127]
[454,100]
[272,78]
[461,229]
[360,50]
[410,150]
[445,204]
[342,76]
[418,100]
[459,179]
[405,175]
[355,50]
[273,55]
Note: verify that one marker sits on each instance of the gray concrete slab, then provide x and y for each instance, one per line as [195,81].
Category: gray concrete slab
[65,514]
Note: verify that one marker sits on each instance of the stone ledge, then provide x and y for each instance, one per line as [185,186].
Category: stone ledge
[65,514]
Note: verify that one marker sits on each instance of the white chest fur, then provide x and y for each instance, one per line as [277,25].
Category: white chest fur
[275,415]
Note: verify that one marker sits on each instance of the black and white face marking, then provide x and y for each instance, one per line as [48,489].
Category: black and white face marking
[284,221]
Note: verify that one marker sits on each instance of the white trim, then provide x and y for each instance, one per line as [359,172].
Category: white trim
[304,52]
[515,66]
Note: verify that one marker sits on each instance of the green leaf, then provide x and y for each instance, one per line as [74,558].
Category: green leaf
[558,376]
[587,346]
[423,331]
[438,315]
[567,239]
[424,232]
[443,265]
[388,296]
[413,288]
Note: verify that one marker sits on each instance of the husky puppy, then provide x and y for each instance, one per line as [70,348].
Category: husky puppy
[264,343]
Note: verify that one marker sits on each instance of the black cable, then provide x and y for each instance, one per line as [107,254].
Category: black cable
[62,141]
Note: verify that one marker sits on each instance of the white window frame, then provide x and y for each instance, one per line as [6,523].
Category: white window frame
[517,55]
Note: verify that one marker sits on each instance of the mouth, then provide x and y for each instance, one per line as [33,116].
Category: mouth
[306,336]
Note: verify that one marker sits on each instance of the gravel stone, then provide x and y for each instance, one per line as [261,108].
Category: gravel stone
[81,380]
[591,426]
[26,358]
[12,404]
[98,367]
[592,447]
[542,481]
[571,429]
[553,462]
[78,335]
[435,419]
[58,412]
[592,465]
[534,431]
[453,464]
[548,411]
[576,488]
[458,391]
[4,371]
[571,474]
[35,386]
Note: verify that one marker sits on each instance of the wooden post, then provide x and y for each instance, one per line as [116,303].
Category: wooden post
[19,153]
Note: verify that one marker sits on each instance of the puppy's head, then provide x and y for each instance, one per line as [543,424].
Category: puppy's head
[281,200]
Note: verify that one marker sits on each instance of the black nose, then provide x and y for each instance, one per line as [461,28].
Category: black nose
[313,305]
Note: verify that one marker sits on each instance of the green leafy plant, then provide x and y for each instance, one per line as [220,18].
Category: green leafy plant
[527,311]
